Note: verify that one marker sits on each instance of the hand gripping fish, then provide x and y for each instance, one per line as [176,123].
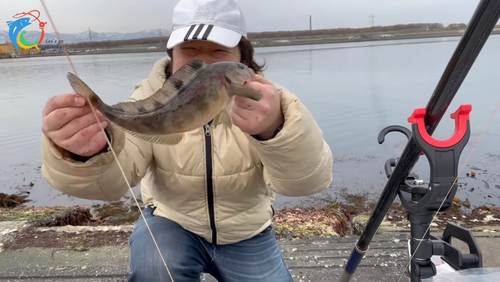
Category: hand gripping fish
[195,94]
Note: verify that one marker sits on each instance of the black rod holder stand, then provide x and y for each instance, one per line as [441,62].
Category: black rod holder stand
[421,200]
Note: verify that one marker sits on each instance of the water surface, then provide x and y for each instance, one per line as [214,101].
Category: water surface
[353,90]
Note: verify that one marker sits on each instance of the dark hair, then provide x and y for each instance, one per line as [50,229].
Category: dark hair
[247,57]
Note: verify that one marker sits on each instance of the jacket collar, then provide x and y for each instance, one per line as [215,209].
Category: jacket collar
[157,76]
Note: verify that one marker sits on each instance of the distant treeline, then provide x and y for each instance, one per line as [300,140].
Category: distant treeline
[345,31]
[162,41]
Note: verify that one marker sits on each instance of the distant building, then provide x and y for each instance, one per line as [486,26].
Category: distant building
[371,20]
[9,48]
[457,25]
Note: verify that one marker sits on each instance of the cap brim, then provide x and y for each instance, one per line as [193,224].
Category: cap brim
[223,36]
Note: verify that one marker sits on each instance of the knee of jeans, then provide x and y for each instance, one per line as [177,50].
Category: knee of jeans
[147,265]
[151,269]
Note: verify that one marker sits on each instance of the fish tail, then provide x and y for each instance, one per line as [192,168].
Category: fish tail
[83,89]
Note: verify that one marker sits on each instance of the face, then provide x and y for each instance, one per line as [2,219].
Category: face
[204,50]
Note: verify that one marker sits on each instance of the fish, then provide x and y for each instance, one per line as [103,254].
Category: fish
[196,94]
[15,28]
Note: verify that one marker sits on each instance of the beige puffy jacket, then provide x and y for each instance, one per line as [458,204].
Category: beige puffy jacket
[217,183]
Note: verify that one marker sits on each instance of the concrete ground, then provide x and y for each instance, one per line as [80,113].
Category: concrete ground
[315,260]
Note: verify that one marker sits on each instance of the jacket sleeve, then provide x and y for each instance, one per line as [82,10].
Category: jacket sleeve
[100,177]
[297,161]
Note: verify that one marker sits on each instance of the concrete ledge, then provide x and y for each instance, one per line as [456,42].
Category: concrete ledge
[80,229]
[403,226]
[9,230]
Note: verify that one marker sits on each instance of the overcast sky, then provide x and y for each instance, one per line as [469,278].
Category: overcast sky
[262,15]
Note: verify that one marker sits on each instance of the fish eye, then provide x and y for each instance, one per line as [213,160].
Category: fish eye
[241,66]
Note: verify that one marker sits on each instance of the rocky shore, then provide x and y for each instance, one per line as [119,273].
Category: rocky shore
[57,226]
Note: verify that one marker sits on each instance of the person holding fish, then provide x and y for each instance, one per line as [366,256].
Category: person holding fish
[210,141]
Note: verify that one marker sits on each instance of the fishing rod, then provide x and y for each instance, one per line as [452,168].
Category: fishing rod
[475,36]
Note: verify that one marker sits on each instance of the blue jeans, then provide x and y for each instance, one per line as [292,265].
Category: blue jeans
[188,255]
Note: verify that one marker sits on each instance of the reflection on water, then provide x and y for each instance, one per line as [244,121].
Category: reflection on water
[352,89]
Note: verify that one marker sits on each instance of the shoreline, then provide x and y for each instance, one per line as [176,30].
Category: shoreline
[264,43]
[68,228]
[337,219]
[102,253]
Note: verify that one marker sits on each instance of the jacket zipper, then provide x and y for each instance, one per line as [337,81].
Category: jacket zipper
[210,189]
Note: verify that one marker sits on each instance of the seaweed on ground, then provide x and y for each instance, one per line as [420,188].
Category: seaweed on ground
[13,200]
[302,223]
[334,219]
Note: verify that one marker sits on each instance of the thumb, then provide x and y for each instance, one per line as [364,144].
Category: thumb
[260,79]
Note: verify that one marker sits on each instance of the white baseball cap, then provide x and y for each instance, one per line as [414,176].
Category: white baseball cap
[219,21]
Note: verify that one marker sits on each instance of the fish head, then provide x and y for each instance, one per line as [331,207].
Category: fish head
[238,73]
[20,23]
[24,22]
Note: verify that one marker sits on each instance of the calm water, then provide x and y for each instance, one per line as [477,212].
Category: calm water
[353,90]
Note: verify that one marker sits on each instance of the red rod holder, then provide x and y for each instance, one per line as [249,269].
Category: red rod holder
[461,116]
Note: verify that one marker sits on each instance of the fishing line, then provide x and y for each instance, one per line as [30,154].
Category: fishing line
[449,191]
[108,141]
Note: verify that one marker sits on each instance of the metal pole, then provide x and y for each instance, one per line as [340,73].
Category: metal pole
[477,32]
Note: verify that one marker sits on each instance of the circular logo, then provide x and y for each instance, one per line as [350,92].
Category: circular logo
[17,32]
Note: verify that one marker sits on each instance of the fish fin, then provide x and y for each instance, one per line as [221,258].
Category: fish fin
[81,88]
[177,81]
[137,106]
[169,139]
[161,97]
[247,92]
[9,23]
[224,117]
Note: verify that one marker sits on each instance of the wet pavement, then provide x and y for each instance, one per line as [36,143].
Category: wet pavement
[320,259]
